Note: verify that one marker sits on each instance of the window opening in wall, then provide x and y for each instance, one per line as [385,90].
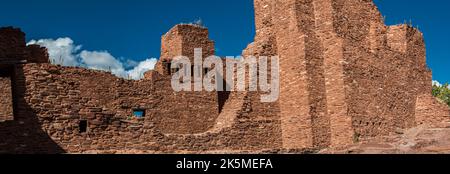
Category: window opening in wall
[83,126]
[168,67]
[139,113]
[6,93]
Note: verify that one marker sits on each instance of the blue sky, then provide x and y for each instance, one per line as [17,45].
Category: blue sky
[130,30]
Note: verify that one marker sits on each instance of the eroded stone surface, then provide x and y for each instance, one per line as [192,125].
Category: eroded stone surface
[345,77]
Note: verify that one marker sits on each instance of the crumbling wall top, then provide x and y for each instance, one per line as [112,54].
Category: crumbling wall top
[13,48]
[182,40]
[184,29]
[398,37]
[12,42]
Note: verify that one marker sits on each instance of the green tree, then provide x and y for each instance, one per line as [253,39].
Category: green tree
[442,92]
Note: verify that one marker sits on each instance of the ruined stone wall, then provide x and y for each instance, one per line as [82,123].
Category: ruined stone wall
[185,112]
[23,133]
[431,111]
[12,44]
[384,66]
[303,102]
[53,100]
[357,23]
[13,48]
[6,104]
[294,96]
[333,60]
[37,54]
[181,40]
[59,98]
[344,76]
[362,77]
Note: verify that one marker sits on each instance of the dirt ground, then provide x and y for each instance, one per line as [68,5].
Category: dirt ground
[423,139]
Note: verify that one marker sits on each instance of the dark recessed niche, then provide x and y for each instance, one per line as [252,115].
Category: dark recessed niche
[168,67]
[139,113]
[83,126]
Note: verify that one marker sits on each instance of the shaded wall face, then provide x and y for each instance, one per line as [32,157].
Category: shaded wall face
[13,51]
[13,48]
[12,44]
[25,133]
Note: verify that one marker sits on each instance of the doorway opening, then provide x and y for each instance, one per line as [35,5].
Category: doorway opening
[6,93]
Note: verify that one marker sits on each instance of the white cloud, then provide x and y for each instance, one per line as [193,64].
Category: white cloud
[436,83]
[198,22]
[63,51]
[130,63]
[102,60]
[141,68]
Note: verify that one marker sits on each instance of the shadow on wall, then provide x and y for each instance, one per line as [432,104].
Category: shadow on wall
[224,95]
[24,134]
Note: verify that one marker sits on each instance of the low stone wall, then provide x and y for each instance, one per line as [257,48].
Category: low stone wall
[61,97]
[431,111]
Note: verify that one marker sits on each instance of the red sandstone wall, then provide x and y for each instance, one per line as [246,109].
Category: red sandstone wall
[12,44]
[6,104]
[57,98]
[431,111]
[81,92]
[52,100]
[371,74]
[344,75]
[13,48]
[14,51]
[60,97]
[181,40]
[333,60]
[37,54]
